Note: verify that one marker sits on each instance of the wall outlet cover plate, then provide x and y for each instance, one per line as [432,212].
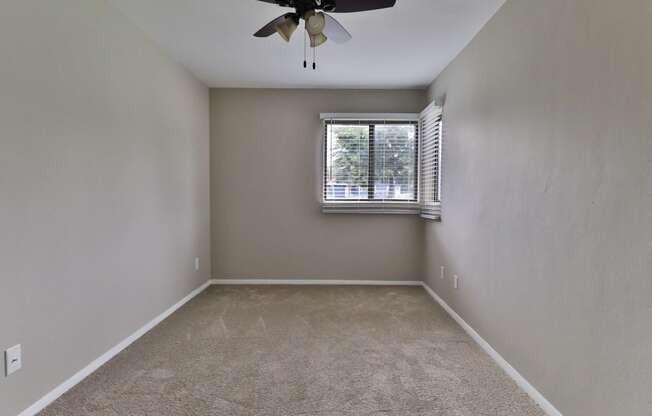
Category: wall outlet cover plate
[13,360]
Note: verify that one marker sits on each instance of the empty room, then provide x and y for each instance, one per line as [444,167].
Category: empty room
[325,207]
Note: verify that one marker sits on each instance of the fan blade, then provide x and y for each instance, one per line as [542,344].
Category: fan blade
[335,31]
[270,28]
[352,6]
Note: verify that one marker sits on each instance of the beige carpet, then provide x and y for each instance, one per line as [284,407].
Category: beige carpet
[308,350]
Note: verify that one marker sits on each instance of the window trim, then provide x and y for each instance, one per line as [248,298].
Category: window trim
[371,116]
[395,207]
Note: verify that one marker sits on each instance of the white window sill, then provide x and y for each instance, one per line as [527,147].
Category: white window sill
[370,208]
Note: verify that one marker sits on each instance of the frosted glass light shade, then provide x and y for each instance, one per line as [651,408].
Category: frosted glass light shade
[315,23]
[286,28]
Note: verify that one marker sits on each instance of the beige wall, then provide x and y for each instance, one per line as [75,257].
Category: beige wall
[548,196]
[104,186]
[266,217]
[104,196]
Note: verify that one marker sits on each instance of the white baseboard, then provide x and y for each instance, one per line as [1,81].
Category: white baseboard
[502,363]
[90,368]
[315,282]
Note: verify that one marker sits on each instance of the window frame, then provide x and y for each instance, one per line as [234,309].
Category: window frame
[369,206]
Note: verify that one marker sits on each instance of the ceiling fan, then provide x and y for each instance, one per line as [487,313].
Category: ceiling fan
[320,26]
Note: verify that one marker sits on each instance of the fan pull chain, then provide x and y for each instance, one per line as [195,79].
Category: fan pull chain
[314,59]
[305,58]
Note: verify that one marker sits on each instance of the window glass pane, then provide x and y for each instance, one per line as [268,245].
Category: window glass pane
[395,159]
[347,162]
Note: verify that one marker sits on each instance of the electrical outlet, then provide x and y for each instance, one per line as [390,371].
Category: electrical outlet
[442,275]
[456,282]
[196,263]
[13,360]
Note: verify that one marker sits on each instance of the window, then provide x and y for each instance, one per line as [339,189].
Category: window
[430,127]
[371,164]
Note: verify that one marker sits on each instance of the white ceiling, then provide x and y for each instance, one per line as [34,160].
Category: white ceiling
[403,47]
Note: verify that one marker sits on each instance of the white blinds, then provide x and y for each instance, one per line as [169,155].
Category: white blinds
[370,164]
[430,127]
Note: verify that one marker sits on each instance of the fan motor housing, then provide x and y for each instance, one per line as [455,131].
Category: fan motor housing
[303,6]
[329,5]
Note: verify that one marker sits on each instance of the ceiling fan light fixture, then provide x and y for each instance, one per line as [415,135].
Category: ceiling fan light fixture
[287,28]
[317,40]
[319,26]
